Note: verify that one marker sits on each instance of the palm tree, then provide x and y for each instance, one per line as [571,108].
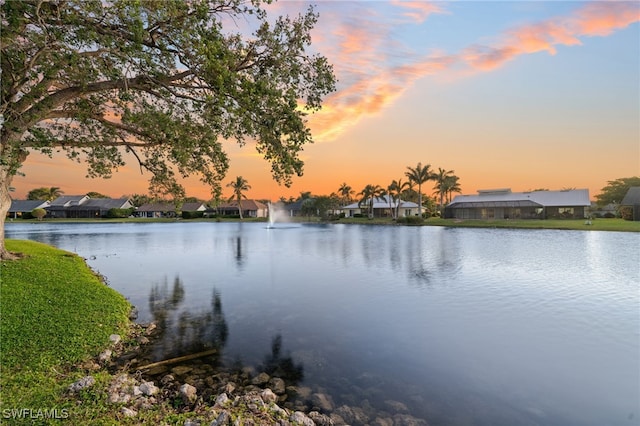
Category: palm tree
[419,175]
[396,189]
[48,194]
[345,192]
[368,194]
[239,186]
[451,185]
[440,177]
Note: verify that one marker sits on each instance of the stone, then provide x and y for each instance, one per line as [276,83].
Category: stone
[190,422]
[353,415]
[337,419]
[167,379]
[303,392]
[300,418]
[221,400]
[223,419]
[105,356]
[83,383]
[260,379]
[188,392]
[128,412]
[142,340]
[277,410]
[268,396]
[115,338]
[382,421]
[322,401]
[181,370]
[320,419]
[407,420]
[230,387]
[149,389]
[277,385]
[396,406]
[133,314]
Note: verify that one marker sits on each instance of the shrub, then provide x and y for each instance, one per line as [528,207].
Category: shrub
[358,215]
[119,213]
[610,215]
[38,213]
[192,215]
[410,220]
[626,213]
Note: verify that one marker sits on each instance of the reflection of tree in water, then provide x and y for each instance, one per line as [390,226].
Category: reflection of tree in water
[277,365]
[181,331]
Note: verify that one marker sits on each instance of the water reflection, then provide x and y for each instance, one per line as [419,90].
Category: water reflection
[180,331]
[278,365]
[513,326]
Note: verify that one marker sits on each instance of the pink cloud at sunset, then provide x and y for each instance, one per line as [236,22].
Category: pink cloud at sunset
[363,57]
[419,11]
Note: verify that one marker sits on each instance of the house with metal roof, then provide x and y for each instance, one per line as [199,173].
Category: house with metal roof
[383,206]
[632,200]
[504,204]
[20,208]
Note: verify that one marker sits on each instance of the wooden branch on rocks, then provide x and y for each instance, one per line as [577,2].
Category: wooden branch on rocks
[178,359]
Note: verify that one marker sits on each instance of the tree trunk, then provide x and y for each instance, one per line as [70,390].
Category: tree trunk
[5,204]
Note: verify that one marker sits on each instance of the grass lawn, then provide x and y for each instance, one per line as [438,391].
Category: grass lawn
[54,312]
[572,224]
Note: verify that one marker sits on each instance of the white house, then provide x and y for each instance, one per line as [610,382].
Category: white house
[383,206]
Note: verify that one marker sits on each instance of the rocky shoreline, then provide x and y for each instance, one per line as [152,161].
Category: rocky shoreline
[215,397]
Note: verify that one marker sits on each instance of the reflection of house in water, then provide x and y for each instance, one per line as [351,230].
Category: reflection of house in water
[181,331]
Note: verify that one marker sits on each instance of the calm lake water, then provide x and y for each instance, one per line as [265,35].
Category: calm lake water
[463,326]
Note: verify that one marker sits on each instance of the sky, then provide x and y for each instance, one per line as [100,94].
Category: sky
[513,94]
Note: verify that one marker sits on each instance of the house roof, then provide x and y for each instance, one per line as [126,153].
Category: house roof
[383,203]
[193,207]
[104,204]
[157,207]
[20,206]
[632,197]
[506,198]
[245,204]
[68,200]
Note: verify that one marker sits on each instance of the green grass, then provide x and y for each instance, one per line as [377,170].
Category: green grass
[54,312]
[571,224]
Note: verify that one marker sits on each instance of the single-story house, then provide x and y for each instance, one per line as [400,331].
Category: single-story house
[504,204]
[382,207]
[81,206]
[250,208]
[157,210]
[58,207]
[291,209]
[21,207]
[632,200]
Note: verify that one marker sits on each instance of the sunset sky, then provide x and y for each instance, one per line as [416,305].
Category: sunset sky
[521,95]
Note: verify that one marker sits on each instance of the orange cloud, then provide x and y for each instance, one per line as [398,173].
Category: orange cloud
[601,19]
[374,69]
[419,11]
[594,19]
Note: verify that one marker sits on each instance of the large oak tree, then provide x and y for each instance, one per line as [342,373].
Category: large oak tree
[163,82]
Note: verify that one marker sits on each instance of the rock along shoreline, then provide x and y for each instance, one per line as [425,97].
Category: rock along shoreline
[214,397]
